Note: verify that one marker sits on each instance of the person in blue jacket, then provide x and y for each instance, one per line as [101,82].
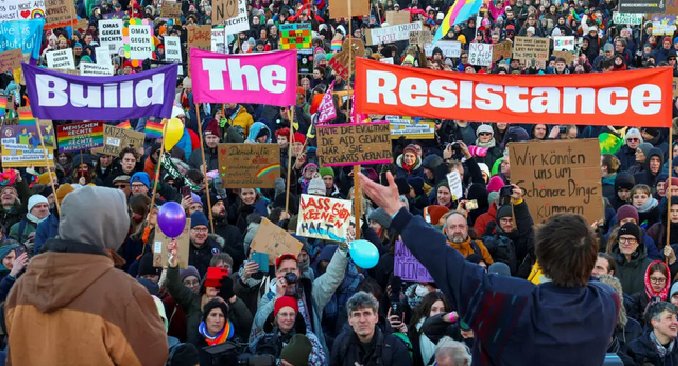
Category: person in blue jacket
[568,321]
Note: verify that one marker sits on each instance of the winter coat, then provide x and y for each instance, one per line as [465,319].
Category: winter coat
[644,352]
[200,257]
[484,219]
[46,230]
[627,157]
[388,351]
[211,157]
[273,340]
[631,273]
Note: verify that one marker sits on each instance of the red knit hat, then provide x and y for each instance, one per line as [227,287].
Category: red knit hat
[284,132]
[299,137]
[212,128]
[214,276]
[436,212]
[300,90]
[285,301]
[283,257]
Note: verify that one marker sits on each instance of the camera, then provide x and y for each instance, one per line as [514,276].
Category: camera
[505,193]
[290,278]
[562,130]
[456,147]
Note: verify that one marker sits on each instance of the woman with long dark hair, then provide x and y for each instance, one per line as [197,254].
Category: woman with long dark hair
[423,349]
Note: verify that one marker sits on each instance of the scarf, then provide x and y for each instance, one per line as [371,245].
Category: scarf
[226,333]
[648,205]
[34,219]
[661,350]
[426,346]
[649,291]
[173,172]
[489,144]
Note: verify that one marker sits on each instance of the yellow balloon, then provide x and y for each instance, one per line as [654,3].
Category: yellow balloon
[173,132]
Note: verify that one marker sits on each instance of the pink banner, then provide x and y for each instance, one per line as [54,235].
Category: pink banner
[262,78]
[327,110]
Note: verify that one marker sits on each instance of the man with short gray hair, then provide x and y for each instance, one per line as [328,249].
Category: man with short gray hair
[365,344]
[452,353]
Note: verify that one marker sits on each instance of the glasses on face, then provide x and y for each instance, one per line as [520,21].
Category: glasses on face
[191,283]
[199,230]
[121,186]
[137,186]
[658,280]
[628,240]
[484,134]
[630,139]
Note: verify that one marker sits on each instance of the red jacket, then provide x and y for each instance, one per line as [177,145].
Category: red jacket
[484,219]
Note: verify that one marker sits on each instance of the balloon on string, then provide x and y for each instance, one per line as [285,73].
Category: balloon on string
[171,219]
[364,253]
[173,132]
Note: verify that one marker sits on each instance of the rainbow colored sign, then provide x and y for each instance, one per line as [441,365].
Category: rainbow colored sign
[80,136]
[249,165]
[295,36]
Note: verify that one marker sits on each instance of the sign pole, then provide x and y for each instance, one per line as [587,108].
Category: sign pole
[157,168]
[49,169]
[204,165]
[289,159]
[668,192]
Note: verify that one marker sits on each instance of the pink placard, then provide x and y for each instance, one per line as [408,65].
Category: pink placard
[262,78]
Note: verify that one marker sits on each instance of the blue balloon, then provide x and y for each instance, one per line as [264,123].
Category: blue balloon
[364,253]
[171,219]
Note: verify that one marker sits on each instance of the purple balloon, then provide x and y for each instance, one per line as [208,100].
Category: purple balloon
[171,219]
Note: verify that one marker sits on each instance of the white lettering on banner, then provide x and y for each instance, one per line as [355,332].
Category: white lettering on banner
[643,99]
[273,77]
[56,92]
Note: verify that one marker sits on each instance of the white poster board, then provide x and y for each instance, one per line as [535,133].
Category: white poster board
[140,42]
[239,23]
[480,54]
[110,35]
[61,59]
[451,49]
[89,69]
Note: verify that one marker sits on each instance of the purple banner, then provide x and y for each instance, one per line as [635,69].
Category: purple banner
[55,95]
[407,267]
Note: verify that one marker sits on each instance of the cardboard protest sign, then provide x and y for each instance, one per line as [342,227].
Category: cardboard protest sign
[567,55]
[420,38]
[89,69]
[531,49]
[556,177]
[295,36]
[21,146]
[395,17]
[480,54]
[563,43]
[415,129]
[627,18]
[351,144]
[60,13]
[249,165]
[502,50]
[274,241]
[110,35]
[339,62]
[238,23]
[141,44]
[451,49]
[339,9]
[80,136]
[223,10]
[10,60]
[200,36]
[323,217]
[116,139]
[391,34]
[171,9]
[61,59]
[161,241]
[407,267]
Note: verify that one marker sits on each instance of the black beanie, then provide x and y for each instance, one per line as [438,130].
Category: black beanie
[146,266]
[184,354]
[624,180]
[629,229]
[403,187]
[504,211]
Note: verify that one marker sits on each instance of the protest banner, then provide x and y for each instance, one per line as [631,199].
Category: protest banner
[395,17]
[563,43]
[592,99]
[567,55]
[55,95]
[200,36]
[327,111]
[21,147]
[531,50]
[421,37]
[80,136]
[22,10]
[480,54]
[339,9]
[116,139]
[60,13]
[415,129]
[270,78]
[556,177]
[224,10]
[642,6]
[391,34]
[663,25]
[61,59]
[171,9]
[502,50]
[274,241]
[90,69]
[239,23]
[10,60]
[352,144]
[23,34]
[218,40]
[340,61]
[141,44]
[295,36]
[451,49]
[627,19]
[110,35]
[407,267]
[323,217]
[161,241]
[249,165]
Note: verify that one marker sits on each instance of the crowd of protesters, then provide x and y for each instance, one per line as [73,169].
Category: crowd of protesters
[70,276]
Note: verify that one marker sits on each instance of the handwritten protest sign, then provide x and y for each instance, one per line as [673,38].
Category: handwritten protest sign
[200,36]
[567,55]
[89,69]
[454,183]
[350,144]
[391,34]
[80,136]
[116,139]
[21,145]
[420,38]
[161,241]
[450,49]
[340,61]
[663,25]
[395,17]
[60,13]
[563,43]
[502,50]
[217,41]
[249,165]
[323,217]
[274,241]
[531,50]
[240,23]
[173,52]
[61,59]
[10,60]
[295,36]
[21,9]
[556,177]
[339,9]
[223,10]
[407,267]
[110,35]
[411,128]
[627,19]
[480,54]
[141,42]
[171,9]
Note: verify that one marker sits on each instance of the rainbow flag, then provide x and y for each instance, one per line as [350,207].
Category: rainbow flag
[26,117]
[126,125]
[153,130]
[457,14]
[3,105]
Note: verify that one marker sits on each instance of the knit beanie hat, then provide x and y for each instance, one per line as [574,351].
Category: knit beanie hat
[197,199]
[627,211]
[484,129]
[141,177]
[500,269]
[381,217]
[199,219]
[297,351]
[299,138]
[403,187]
[316,187]
[189,271]
[309,166]
[417,183]
[645,147]
[629,229]
[492,197]
[62,191]
[146,266]
[214,275]
[624,180]
[212,128]
[435,213]
[285,301]
[504,211]
[674,289]
[495,184]
[43,179]
[325,171]
[633,133]
[36,199]
[411,148]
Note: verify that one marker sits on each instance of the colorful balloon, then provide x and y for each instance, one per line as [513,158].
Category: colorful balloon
[173,132]
[171,219]
[364,253]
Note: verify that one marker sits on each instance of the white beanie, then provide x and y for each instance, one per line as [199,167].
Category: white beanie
[633,132]
[36,199]
[484,128]
[176,112]
[484,169]
[316,187]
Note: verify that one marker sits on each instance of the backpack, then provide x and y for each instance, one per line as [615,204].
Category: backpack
[476,248]
[502,250]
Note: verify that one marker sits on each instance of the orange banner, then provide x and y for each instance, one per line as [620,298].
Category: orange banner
[635,97]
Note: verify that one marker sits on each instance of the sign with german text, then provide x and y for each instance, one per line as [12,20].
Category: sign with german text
[274,241]
[249,165]
[323,217]
[80,136]
[407,267]
[352,144]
